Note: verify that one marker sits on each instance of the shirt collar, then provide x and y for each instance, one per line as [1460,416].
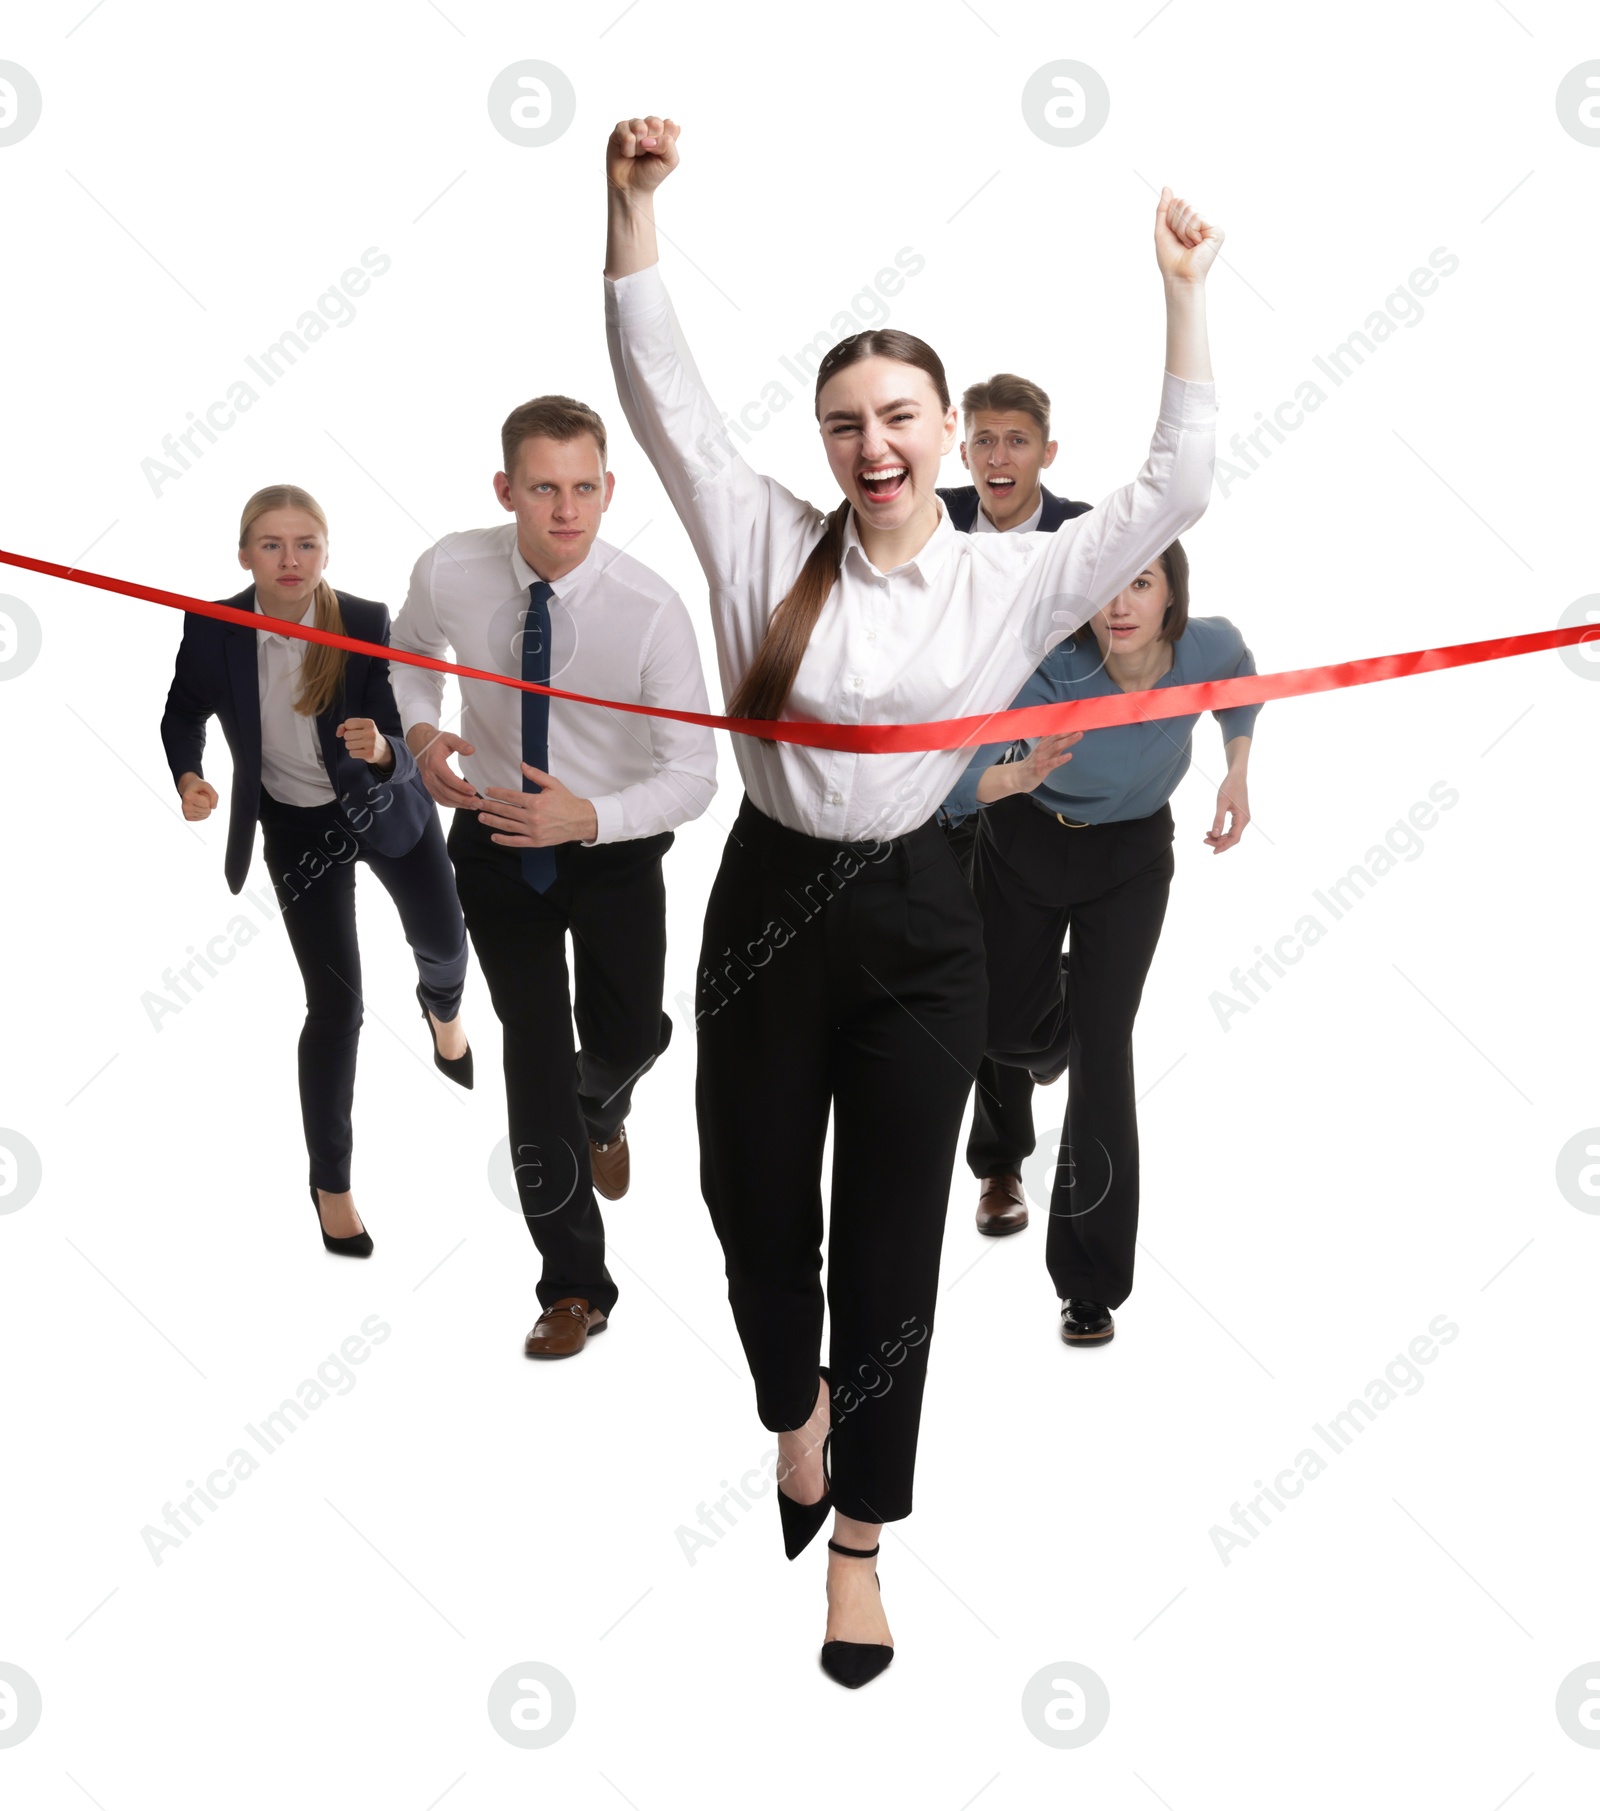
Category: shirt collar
[277,635]
[925,562]
[566,587]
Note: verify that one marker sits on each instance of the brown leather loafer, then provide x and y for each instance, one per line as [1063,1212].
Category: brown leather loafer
[563,1328]
[1002,1206]
[608,1165]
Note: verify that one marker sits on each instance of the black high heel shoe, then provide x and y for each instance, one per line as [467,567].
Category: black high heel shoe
[457,1068]
[358,1245]
[801,1521]
[853,1663]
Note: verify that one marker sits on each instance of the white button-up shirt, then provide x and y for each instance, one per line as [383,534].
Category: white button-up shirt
[953,632]
[617,630]
[292,769]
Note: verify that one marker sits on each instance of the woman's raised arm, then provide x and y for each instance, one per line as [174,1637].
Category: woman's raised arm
[746,529]
[1067,576]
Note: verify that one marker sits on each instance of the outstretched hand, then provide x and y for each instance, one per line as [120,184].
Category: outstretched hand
[1007,777]
[1046,755]
[1186,247]
[641,154]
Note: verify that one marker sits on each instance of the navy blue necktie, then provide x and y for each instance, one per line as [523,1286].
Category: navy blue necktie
[538,865]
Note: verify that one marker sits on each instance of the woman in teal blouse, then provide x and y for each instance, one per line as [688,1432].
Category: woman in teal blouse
[1079,845]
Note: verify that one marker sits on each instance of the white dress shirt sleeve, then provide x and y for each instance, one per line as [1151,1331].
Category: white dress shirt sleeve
[743,526]
[419,692]
[1067,576]
[684,755]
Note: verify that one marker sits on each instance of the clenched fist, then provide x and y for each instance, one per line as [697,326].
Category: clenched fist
[641,154]
[199,797]
[1186,247]
[363,739]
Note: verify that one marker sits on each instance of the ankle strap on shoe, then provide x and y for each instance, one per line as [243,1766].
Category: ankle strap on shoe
[853,1552]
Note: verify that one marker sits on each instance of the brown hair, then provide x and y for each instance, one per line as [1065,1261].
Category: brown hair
[322,669]
[765,688]
[548,418]
[1006,391]
[1174,562]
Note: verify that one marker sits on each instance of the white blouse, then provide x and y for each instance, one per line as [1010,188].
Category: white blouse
[292,768]
[953,632]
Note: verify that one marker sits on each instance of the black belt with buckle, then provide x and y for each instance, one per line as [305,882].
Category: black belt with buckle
[1069,823]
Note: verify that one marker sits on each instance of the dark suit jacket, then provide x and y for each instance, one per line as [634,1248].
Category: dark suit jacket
[217,675]
[962,503]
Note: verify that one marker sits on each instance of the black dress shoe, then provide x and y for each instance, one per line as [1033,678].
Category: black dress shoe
[802,1520]
[358,1245]
[853,1663]
[458,1068]
[1086,1323]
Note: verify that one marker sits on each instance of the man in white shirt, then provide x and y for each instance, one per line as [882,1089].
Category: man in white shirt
[563,812]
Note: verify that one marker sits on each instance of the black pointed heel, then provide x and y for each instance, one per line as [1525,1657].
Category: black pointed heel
[853,1663]
[801,1521]
[457,1068]
[358,1245]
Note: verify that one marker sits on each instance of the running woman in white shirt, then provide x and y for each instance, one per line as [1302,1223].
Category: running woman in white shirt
[842,965]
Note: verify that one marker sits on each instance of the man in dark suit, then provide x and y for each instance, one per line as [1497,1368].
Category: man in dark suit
[1006,448]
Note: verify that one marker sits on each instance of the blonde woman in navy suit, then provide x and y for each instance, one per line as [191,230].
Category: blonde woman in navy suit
[320,761]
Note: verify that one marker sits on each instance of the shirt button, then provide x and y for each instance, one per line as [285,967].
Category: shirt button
[872,635]
[855,682]
[835,798]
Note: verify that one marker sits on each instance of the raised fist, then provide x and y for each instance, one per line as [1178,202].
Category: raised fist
[1186,247]
[641,154]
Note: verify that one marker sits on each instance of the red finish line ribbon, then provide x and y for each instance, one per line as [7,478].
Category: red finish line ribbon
[907,738]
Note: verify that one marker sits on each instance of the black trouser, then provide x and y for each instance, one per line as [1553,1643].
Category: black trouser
[311,854]
[613,901]
[847,978]
[1002,1098]
[1036,881]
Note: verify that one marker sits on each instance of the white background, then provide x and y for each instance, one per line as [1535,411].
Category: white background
[1370,1146]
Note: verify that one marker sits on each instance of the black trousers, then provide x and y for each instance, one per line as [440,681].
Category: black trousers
[612,900]
[842,978]
[1001,1135]
[1037,881]
[311,855]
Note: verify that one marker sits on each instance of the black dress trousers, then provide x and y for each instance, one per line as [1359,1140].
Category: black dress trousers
[1037,882]
[311,852]
[842,979]
[611,899]
[1002,1096]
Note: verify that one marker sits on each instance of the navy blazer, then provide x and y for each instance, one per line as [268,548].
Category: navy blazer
[217,674]
[962,503]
